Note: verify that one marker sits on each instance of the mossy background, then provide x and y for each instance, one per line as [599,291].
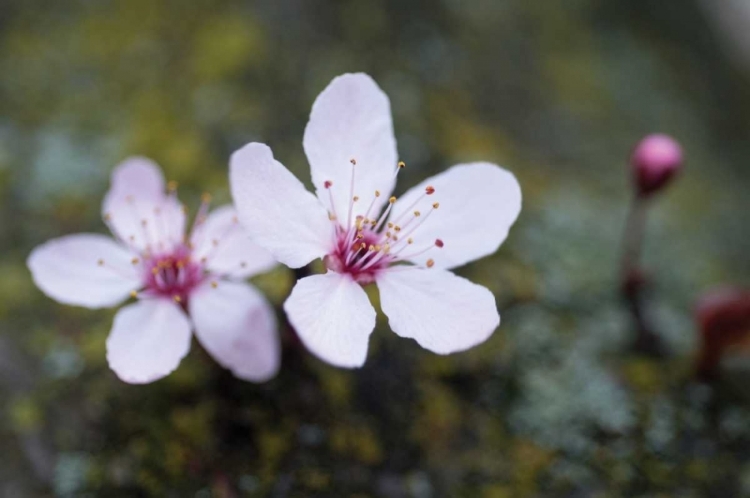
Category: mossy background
[554,404]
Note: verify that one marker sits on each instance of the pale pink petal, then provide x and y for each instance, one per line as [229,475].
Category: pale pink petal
[227,248]
[278,213]
[351,119]
[86,269]
[441,311]
[237,326]
[333,317]
[148,340]
[478,203]
[139,211]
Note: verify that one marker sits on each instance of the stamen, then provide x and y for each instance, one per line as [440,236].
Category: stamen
[135,261]
[214,284]
[439,243]
[134,294]
[429,190]
[430,263]
[177,298]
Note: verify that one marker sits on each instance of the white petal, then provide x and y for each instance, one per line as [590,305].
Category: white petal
[278,213]
[333,317]
[148,340]
[68,270]
[351,119]
[227,247]
[443,312]
[478,204]
[237,326]
[138,209]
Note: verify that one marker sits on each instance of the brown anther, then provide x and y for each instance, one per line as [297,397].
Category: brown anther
[360,236]
[135,261]
[353,161]
[430,263]
[355,198]
[390,225]
[206,197]
[243,264]
[327,184]
[107,217]
[429,190]
[184,209]
[215,242]
[439,243]
[377,193]
[363,245]
[172,186]
[388,235]
[397,228]
[100,262]
[204,259]
[409,240]
[392,199]
[395,238]
[401,165]
[417,214]
[144,223]
[436,205]
[371,248]
[331,216]
[214,284]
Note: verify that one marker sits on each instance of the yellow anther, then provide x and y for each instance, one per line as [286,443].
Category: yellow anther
[392,199]
[100,262]
[436,205]
[206,197]
[377,247]
[377,193]
[177,299]
[331,216]
[133,294]
[409,240]
[386,248]
[172,186]
[214,284]
[371,248]
[430,263]
[417,214]
[401,164]
[363,245]
[180,264]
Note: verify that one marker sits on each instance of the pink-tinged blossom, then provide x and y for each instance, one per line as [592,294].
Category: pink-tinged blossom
[656,159]
[180,283]
[405,246]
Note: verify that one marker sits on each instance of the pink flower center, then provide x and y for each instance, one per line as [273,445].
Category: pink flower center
[168,261]
[372,243]
[173,274]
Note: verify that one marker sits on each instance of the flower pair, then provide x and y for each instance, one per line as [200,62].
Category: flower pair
[406,246]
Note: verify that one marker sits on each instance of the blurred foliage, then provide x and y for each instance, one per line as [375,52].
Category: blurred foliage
[554,404]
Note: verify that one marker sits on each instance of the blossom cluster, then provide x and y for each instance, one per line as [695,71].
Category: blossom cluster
[184,280]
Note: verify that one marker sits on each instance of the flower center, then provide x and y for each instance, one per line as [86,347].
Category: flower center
[173,275]
[369,243]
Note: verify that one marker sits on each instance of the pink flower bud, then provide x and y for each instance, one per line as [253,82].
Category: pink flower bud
[655,160]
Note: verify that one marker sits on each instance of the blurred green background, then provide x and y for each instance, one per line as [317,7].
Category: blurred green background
[554,404]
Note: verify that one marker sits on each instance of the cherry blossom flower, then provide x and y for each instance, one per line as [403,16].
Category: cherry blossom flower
[180,283]
[405,246]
